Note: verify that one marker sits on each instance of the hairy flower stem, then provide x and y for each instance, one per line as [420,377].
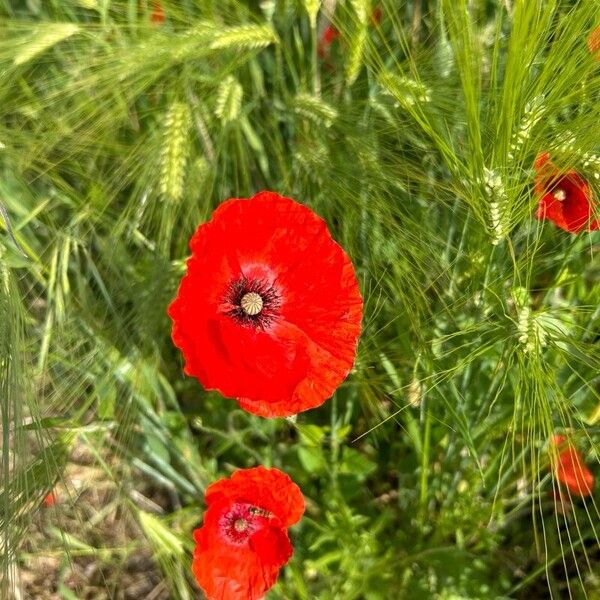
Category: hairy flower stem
[335,446]
[425,464]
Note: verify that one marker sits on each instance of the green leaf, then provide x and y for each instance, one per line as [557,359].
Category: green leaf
[312,459]
[356,463]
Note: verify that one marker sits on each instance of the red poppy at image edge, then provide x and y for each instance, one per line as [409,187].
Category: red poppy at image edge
[269,310]
[564,198]
[570,469]
[594,43]
[157,16]
[243,541]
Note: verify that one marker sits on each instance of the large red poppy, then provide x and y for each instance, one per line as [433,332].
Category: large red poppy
[243,541]
[565,199]
[269,310]
[571,471]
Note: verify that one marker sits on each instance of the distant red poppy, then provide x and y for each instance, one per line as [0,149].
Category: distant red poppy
[157,16]
[269,310]
[594,43]
[570,468]
[565,199]
[50,500]
[243,541]
[330,33]
[376,16]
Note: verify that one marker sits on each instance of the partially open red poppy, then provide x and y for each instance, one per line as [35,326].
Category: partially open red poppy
[571,471]
[269,310]
[243,541]
[565,199]
[594,43]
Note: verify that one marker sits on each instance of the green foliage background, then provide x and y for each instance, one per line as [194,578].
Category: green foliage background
[428,474]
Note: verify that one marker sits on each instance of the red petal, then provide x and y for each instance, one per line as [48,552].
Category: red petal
[157,16]
[572,472]
[273,546]
[572,214]
[594,43]
[270,489]
[552,209]
[578,203]
[329,35]
[540,160]
[233,575]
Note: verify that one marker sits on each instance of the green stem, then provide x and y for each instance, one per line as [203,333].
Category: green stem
[335,446]
[314,59]
[425,464]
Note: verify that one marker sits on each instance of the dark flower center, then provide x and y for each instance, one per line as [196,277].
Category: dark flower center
[241,521]
[252,302]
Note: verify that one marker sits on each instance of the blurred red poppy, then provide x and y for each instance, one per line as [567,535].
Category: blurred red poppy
[330,33]
[269,310]
[243,541]
[570,468]
[50,500]
[565,199]
[157,16]
[376,16]
[594,43]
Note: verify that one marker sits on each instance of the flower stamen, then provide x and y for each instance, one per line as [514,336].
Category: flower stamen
[240,525]
[560,195]
[252,303]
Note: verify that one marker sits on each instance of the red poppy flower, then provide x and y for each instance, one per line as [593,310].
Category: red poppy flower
[157,16]
[594,43]
[269,311]
[376,16]
[243,541]
[570,468]
[50,500]
[565,199]
[330,33]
